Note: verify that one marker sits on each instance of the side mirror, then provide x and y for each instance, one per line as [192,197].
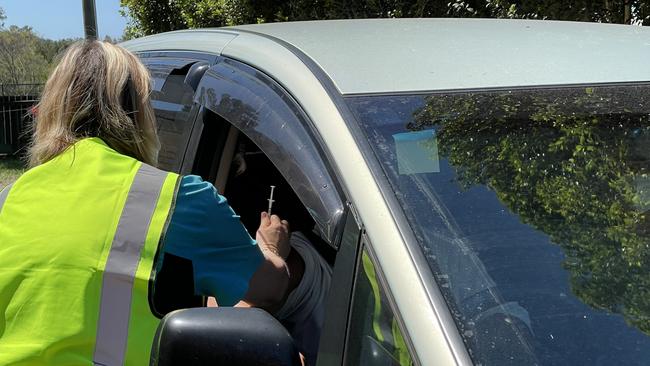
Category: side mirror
[222,336]
[195,73]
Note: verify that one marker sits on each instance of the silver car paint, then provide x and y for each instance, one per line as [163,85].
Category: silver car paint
[401,55]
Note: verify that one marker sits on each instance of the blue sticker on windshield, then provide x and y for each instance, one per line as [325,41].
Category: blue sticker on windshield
[417,152]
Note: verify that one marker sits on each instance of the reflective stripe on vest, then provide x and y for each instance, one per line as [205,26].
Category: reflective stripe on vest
[121,266]
[78,241]
[3,195]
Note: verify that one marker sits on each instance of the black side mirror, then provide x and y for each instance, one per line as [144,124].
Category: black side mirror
[195,73]
[222,336]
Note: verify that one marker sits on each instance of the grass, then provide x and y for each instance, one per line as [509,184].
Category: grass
[10,169]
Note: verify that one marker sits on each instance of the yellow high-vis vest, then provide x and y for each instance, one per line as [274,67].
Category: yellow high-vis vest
[78,238]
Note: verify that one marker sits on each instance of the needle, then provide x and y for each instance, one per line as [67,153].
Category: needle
[271,200]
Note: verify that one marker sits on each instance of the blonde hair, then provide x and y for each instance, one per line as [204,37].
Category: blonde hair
[86,95]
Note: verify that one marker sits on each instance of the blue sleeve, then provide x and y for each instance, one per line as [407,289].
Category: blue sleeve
[204,229]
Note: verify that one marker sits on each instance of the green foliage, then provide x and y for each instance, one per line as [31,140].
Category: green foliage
[25,58]
[155,16]
[574,166]
[20,59]
[209,13]
[151,16]
[603,11]
[51,49]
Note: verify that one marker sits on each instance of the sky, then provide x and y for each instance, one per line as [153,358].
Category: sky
[57,19]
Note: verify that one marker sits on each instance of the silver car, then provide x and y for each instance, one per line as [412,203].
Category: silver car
[480,188]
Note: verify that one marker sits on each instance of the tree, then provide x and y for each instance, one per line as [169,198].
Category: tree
[151,16]
[50,49]
[20,59]
[603,11]
[26,58]
[155,16]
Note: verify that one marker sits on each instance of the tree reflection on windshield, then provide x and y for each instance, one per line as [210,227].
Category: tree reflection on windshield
[531,208]
[572,163]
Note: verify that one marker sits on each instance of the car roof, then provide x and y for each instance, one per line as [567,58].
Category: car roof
[417,55]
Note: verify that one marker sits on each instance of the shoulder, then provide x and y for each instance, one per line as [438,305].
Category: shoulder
[194,190]
[201,209]
[193,183]
[202,216]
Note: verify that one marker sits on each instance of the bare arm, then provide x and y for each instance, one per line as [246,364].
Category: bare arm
[270,283]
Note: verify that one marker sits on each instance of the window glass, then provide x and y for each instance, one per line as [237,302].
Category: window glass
[172,101]
[532,208]
[374,335]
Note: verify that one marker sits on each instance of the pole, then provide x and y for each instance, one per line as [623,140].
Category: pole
[90,19]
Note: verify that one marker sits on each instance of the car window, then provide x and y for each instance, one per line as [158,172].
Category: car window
[172,101]
[531,207]
[262,111]
[245,175]
[374,336]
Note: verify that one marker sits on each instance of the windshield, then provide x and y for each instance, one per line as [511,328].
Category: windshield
[531,207]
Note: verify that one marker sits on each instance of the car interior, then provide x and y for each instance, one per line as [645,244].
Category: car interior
[244,174]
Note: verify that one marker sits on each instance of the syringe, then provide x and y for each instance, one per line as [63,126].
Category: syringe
[271,200]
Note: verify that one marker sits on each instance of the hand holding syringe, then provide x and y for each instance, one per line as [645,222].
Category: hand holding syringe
[273,233]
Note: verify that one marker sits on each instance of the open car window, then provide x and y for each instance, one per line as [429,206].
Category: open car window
[260,109]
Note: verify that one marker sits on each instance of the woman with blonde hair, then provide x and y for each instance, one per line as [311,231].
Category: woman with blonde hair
[83,233]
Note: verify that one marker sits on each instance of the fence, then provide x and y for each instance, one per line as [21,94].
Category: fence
[16,102]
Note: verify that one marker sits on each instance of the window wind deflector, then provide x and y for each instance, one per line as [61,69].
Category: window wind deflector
[261,109]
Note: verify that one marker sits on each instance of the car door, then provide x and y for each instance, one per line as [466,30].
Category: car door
[175,76]
[197,137]
[251,103]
